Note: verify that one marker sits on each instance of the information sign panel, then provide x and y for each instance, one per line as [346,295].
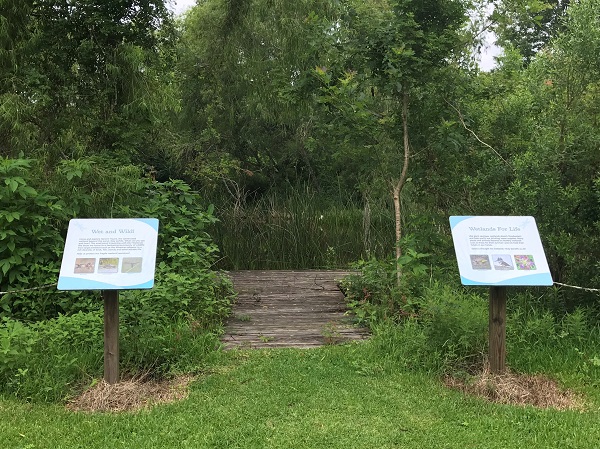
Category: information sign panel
[109,254]
[499,251]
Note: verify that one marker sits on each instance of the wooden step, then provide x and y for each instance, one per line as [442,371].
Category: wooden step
[289,309]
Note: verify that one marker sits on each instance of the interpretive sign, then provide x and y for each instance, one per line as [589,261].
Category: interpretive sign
[499,251]
[109,254]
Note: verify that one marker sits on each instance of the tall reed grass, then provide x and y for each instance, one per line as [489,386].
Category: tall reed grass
[301,230]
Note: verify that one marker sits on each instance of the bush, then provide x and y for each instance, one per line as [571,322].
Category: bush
[566,347]
[450,336]
[30,240]
[405,345]
[160,349]
[185,283]
[16,344]
[374,294]
[446,332]
[33,223]
[177,323]
[52,360]
[170,328]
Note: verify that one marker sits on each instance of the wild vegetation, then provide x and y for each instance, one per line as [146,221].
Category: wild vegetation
[273,134]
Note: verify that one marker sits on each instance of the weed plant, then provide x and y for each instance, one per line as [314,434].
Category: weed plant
[445,333]
[374,293]
[46,361]
[564,346]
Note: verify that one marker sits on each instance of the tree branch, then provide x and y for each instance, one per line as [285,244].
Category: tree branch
[462,121]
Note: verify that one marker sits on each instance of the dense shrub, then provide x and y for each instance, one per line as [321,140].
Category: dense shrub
[33,223]
[566,346]
[52,360]
[30,238]
[449,335]
[185,284]
[51,343]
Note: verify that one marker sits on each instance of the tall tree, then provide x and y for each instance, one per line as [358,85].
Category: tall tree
[528,25]
[314,89]
[542,122]
[247,85]
[82,76]
[420,40]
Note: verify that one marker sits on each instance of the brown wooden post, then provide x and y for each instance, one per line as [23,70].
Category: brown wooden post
[111,336]
[497,328]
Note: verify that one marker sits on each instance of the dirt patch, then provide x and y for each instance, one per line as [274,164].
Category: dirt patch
[518,389]
[130,395]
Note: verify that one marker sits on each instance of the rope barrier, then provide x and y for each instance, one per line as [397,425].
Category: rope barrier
[579,288]
[587,289]
[29,289]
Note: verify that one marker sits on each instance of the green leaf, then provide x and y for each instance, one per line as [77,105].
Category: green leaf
[27,191]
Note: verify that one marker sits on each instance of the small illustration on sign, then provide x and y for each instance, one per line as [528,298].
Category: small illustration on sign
[131,265]
[84,265]
[480,262]
[525,262]
[108,265]
[502,262]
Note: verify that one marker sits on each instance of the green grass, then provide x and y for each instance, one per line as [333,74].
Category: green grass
[333,397]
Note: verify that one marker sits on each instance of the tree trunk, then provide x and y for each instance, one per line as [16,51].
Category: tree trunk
[399,185]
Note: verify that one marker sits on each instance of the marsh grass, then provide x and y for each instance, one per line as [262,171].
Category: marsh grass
[301,229]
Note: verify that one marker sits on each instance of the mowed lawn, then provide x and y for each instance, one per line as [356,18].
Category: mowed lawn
[333,397]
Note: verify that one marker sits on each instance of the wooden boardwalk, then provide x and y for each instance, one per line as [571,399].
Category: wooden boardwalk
[289,309]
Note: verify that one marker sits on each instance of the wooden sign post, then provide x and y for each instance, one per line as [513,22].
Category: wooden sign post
[497,330]
[498,252]
[109,255]
[111,335]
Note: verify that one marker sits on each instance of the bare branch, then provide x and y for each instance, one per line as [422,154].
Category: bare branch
[462,121]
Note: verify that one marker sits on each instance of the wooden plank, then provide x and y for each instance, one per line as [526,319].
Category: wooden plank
[289,308]
[307,328]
